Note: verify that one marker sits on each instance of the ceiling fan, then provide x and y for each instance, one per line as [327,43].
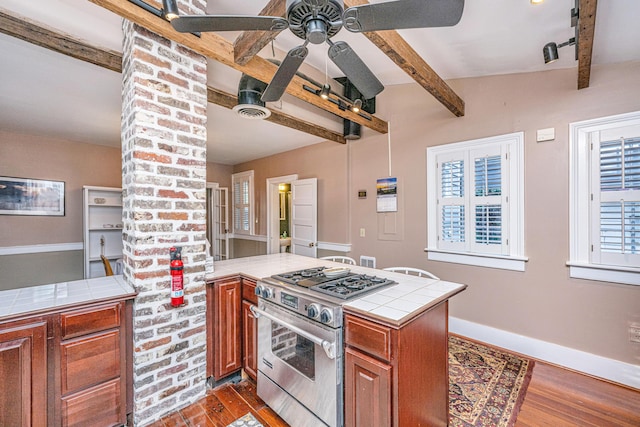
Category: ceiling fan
[316,22]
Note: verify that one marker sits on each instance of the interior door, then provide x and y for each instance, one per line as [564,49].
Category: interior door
[304,217]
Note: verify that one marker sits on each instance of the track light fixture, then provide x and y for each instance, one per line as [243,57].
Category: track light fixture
[324,92]
[170,9]
[550,50]
[357,105]
[342,102]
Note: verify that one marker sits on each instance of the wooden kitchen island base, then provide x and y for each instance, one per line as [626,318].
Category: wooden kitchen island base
[397,375]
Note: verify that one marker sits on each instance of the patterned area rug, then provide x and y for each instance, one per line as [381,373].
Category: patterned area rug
[246,421]
[486,386]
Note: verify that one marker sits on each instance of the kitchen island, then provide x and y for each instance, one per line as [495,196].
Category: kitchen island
[395,352]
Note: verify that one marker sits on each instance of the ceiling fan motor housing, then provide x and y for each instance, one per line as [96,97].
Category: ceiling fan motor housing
[316,27]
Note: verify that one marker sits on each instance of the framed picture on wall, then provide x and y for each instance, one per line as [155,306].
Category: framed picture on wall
[23,196]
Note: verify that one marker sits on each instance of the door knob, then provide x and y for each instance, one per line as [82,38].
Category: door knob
[311,244]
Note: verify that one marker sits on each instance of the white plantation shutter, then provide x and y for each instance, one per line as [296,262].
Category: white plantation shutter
[242,188]
[487,201]
[616,198]
[473,213]
[451,200]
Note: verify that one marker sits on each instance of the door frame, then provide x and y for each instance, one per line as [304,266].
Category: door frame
[273,210]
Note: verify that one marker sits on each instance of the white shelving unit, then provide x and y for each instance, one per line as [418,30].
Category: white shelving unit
[102,226]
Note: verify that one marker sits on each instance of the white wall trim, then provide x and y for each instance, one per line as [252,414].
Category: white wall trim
[337,247]
[515,263]
[37,249]
[598,366]
[254,237]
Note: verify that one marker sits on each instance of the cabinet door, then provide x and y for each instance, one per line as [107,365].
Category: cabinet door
[227,332]
[249,341]
[367,391]
[23,369]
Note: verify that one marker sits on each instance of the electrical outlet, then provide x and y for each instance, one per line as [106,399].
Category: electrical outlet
[634,332]
[362,233]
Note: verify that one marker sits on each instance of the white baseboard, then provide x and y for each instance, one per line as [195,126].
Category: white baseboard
[37,249]
[598,366]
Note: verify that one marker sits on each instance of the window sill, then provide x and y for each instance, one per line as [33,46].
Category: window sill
[602,273]
[513,263]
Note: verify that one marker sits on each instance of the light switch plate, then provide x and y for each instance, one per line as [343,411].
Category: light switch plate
[548,134]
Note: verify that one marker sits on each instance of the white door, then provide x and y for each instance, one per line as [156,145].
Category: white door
[304,217]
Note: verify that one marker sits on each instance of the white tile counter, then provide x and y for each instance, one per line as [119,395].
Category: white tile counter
[41,298]
[395,304]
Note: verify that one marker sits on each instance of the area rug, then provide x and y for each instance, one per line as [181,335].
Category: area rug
[247,420]
[486,386]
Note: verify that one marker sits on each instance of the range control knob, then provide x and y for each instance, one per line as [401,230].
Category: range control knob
[258,290]
[267,292]
[326,316]
[313,311]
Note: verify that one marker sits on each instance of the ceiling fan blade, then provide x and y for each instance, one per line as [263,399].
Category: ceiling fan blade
[202,23]
[396,15]
[355,69]
[285,73]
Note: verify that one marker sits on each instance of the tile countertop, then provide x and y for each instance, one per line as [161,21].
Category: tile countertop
[394,304]
[42,298]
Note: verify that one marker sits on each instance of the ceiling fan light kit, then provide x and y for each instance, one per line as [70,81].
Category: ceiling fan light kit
[317,21]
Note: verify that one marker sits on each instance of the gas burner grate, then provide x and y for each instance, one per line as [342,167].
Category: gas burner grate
[352,286]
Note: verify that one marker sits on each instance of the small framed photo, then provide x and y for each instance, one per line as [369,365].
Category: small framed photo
[22,196]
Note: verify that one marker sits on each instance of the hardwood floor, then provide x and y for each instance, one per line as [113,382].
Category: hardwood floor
[556,397]
[559,397]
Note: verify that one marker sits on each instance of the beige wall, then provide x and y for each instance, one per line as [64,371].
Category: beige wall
[327,161]
[77,164]
[543,302]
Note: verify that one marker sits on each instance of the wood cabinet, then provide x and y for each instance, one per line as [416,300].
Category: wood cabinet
[102,228]
[93,366]
[249,329]
[224,338]
[23,369]
[232,339]
[397,375]
[67,368]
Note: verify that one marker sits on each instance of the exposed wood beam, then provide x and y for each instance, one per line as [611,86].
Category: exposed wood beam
[217,48]
[22,29]
[400,52]
[249,43]
[586,30]
[227,100]
[16,26]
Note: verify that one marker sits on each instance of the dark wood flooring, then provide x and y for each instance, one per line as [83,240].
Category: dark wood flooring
[556,397]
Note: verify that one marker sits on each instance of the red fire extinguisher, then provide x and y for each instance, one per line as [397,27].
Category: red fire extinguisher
[177,277]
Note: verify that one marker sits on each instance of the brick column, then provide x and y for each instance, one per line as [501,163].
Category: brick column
[164,182]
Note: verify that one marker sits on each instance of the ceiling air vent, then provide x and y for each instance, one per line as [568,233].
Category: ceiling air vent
[249,104]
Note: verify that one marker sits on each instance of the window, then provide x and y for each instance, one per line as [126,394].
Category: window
[475,202]
[605,199]
[242,188]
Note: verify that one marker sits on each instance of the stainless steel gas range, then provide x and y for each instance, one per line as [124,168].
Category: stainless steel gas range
[300,342]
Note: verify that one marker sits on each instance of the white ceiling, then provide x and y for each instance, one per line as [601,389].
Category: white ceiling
[46,93]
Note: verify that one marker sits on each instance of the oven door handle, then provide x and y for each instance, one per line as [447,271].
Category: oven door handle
[329,347]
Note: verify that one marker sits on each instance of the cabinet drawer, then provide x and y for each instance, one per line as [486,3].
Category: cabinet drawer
[369,337]
[97,406]
[249,290]
[95,319]
[88,361]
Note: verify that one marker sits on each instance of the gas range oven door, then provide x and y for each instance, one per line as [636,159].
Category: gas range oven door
[299,367]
